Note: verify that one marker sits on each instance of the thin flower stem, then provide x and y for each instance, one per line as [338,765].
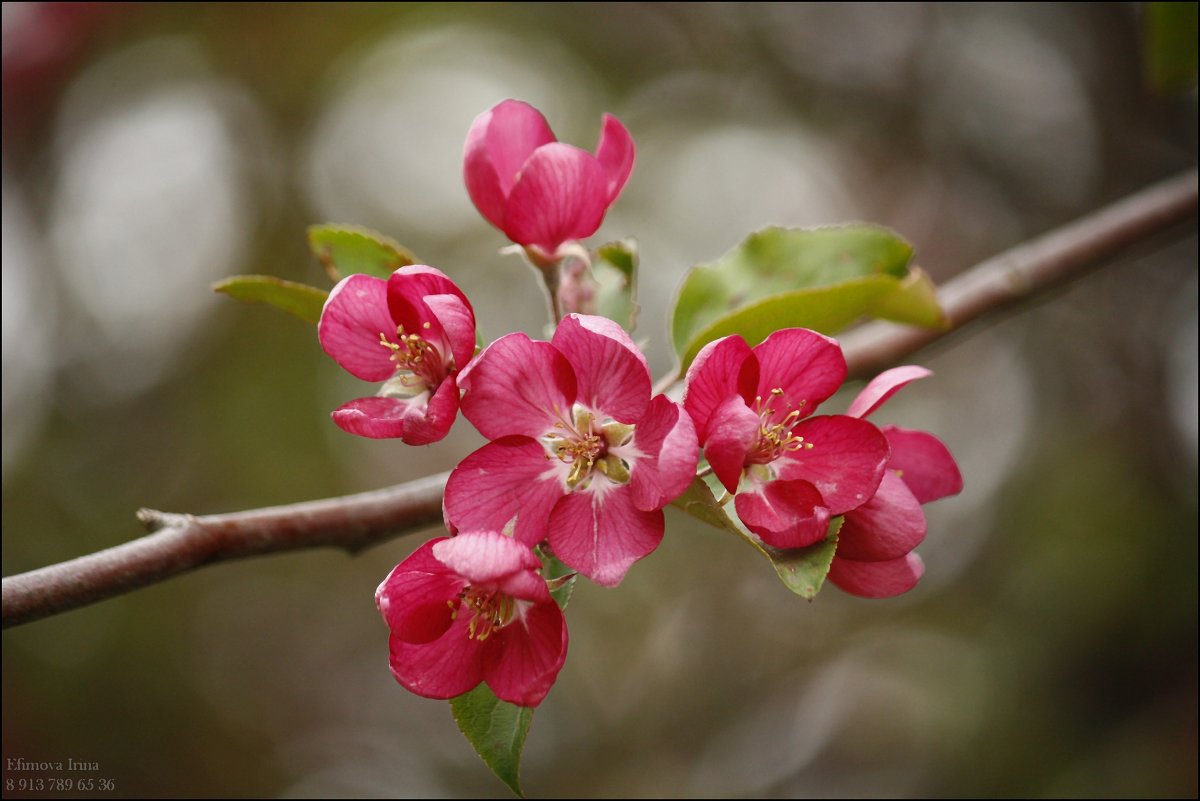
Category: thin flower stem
[181,543]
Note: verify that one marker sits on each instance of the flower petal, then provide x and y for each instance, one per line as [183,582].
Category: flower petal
[886,527]
[484,557]
[786,514]
[601,534]
[666,454]
[808,367]
[506,479]
[877,579]
[924,462]
[884,386]
[523,659]
[419,420]
[732,431]
[615,154]
[457,321]
[722,368]
[560,195]
[611,372]
[412,599]
[355,314]
[517,386]
[408,290]
[845,463]
[442,668]
[499,142]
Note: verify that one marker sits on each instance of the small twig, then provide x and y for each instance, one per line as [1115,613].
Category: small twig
[183,542]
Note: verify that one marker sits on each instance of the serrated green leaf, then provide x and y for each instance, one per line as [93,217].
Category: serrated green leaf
[347,249]
[802,570]
[1171,46]
[819,278]
[826,309]
[615,270]
[776,260]
[299,300]
[496,730]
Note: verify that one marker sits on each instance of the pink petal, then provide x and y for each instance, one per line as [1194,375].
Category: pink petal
[412,599]
[518,386]
[722,368]
[877,579]
[615,154]
[418,421]
[442,668]
[457,322]
[807,366]
[884,386]
[560,195]
[924,462]
[666,440]
[506,479]
[355,314]
[602,534]
[733,430]
[427,303]
[484,557]
[523,659]
[415,281]
[786,514]
[611,372]
[499,142]
[845,463]
[886,527]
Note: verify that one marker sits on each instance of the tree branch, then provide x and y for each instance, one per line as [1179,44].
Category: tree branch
[184,542]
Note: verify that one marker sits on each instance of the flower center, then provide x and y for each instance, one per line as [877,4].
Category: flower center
[775,438]
[585,446]
[490,610]
[418,363]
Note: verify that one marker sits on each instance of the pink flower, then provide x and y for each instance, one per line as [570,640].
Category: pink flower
[473,608]
[413,332]
[581,455]
[790,472]
[539,192]
[875,555]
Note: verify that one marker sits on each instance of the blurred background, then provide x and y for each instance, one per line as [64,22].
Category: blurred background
[149,150]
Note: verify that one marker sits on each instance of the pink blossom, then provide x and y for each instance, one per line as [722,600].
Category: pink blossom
[473,608]
[581,455]
[539,192]
[413,332]
[790,472]
[875,556]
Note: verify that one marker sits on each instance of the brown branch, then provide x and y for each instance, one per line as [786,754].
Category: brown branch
[183,542]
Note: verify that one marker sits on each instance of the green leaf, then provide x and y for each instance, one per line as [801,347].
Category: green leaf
[615,270]
[496,729]
[819,278]
[824,309]
[347,249]
[1170,46]
[802,570]
[914,302]
[300,300]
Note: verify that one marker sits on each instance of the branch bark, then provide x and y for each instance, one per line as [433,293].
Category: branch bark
[180,543]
